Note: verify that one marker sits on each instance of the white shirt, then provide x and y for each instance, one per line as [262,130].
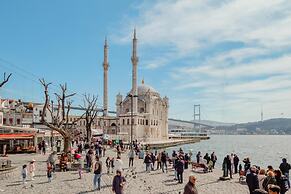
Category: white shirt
[118,165]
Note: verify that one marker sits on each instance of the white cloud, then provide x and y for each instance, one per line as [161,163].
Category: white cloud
[234,79]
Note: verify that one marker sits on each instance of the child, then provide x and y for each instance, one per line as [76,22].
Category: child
[24,173]
[112,164]
[108,164]
[32,169]
[49,172]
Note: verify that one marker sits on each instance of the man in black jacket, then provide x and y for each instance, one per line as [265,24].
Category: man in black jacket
[235,163]
[180,169]
[285,167]
[252,180]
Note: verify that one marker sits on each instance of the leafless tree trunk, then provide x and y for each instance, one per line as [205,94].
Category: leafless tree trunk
[5,79]
[60,116]
[91,111]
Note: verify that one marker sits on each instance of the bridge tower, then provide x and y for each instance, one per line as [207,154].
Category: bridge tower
[197,116]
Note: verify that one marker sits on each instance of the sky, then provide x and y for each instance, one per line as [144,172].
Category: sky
[233,57]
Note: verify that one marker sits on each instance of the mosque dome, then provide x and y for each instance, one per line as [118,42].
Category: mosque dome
[144,89]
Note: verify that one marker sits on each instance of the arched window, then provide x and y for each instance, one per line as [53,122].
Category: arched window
[128,121]
[141,110]
[147,122]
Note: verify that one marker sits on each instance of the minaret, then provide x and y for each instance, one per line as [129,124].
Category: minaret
[105,79]
[134,60]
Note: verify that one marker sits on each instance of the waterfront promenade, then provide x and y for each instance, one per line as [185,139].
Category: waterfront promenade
[154,182]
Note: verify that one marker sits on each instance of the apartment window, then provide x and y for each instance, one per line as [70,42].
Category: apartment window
[4,121]
[18,121]
[147,122]
[128,121]
[123,121]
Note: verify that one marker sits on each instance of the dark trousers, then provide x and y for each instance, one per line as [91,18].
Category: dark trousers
[235,168]
[130,162]
[164,166]
[186,165]
[213,164]
[230,172]
[159,165]
[180,177]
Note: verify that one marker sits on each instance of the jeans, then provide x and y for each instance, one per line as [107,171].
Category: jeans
[287,175]
[148,167]
[176,174]
[97,180]
[164,164]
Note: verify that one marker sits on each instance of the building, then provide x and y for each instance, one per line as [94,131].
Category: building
[142,111]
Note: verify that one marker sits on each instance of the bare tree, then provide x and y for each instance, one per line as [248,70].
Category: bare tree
[5,79]
[60,118]
[91,111]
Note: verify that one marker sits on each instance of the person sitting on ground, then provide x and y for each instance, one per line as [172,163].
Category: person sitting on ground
[269,180]
[252,180]
[273,189]
[190,187]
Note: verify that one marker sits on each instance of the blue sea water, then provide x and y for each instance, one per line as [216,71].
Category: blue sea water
[263,150]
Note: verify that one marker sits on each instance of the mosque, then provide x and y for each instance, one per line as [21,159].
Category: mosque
[142,114]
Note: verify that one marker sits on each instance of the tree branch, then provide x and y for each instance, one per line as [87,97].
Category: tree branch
[5,79]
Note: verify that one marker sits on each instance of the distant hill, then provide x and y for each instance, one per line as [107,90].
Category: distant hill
[216,123]
[270,126]
[189,124]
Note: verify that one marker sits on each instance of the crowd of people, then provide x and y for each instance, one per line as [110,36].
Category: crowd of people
[270,180]
[259,180]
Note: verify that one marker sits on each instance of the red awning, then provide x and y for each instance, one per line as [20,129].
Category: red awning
[16,136]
